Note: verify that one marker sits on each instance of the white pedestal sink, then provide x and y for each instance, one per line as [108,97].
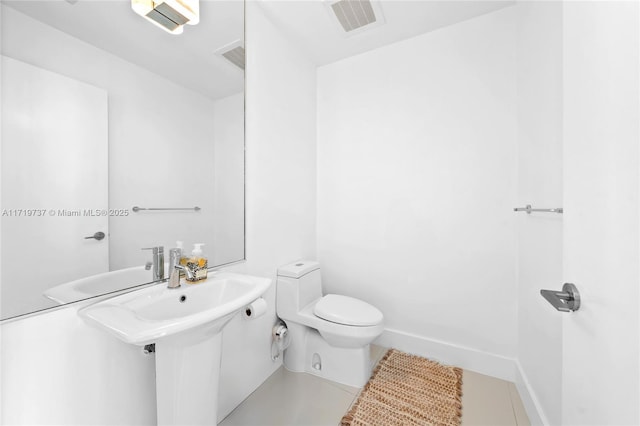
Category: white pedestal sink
[185,324]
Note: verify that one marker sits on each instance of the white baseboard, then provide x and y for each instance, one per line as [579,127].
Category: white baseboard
[529,399]
[448,353]
[467,358]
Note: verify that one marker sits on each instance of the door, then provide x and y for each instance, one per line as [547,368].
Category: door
[46,115]
[600,371]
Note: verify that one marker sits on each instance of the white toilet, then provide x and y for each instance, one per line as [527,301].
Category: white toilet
[330,334]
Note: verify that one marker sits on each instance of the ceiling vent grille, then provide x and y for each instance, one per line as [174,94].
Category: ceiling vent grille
[234,53]
[354,14]
[352,17]
[235,56]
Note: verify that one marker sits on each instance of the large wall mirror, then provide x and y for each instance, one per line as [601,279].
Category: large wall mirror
[103,111]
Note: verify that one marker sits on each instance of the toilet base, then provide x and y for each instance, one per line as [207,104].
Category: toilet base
[310,353]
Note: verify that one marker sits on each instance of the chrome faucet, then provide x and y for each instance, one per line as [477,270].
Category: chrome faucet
[174,277]
[174,259]
[158,262]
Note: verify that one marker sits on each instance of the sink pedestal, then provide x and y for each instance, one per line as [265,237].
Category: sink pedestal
[187,373]
[186,326]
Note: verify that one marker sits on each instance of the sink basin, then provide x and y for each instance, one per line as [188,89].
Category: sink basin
[185,324]
[98,284]
[148,315]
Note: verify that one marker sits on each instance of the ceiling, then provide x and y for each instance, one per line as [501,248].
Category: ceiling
[314,27]
[188,59]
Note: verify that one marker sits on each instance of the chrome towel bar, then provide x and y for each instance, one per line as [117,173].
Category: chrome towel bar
[137,209]
[530,209]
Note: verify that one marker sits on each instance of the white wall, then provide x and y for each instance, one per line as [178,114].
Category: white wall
[58,370]
[114,381]
[416,185]
[539,73]
[281,190]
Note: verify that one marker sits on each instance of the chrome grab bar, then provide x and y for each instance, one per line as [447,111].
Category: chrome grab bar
[567,300]
[136,209]
[530,209]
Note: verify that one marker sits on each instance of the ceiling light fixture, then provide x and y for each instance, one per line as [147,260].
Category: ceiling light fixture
[170,15]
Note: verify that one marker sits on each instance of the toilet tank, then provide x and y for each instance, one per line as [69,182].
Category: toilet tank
[298,284]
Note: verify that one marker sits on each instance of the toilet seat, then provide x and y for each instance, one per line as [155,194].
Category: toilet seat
[347,310]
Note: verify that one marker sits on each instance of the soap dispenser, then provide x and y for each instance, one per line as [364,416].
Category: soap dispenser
[198,264]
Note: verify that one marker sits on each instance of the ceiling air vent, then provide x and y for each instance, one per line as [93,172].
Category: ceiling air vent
[234,53]
[356,14]
[235,56]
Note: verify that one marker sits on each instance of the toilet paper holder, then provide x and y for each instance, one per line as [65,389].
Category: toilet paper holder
[255,309]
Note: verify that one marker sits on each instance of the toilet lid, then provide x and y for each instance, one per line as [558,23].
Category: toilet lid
[347,310]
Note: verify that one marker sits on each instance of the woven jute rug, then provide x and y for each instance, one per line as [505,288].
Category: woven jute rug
[408,390]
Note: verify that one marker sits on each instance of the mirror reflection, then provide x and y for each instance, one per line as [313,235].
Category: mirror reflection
[117,135]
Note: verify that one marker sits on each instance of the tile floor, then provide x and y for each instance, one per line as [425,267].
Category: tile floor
[300,399]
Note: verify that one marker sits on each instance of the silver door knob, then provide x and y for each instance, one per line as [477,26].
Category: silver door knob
[97,236]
